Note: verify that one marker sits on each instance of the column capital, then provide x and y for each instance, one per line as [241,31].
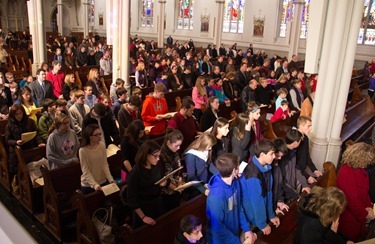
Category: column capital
[162,1]
[220,1]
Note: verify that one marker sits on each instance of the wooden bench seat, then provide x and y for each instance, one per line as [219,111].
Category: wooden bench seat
[288,222]
[30,197]
[60,202]
[359,120]
[278,128]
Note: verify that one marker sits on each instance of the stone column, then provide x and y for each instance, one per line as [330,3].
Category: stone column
[219,22]
[116,35]
[161,23]
[124,42]
[295,29]
[118,14]
[339,42]
[34,8]
[85,13]
[59,17]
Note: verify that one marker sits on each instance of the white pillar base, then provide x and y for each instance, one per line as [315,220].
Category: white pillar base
[318,151]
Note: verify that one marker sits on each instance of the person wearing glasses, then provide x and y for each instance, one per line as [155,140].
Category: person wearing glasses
[41,88]
[93,160]
[143,195]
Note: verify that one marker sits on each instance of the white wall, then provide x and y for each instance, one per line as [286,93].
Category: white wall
[253,8]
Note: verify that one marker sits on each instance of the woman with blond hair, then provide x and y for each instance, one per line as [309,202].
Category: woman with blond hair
[199,166]
[200,97]
[70,85]
[353,180]
[141,75]
[318,218]
[95,83]
[62,143]
[282,82]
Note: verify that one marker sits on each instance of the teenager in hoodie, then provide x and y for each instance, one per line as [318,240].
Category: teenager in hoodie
[62,143]
[256,185]
[153,110]
[225,214]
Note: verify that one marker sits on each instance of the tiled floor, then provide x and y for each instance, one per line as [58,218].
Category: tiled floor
[28,221]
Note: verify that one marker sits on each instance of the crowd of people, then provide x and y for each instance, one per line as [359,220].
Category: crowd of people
[77,123]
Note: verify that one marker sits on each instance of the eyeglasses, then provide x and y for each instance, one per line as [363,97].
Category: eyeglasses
[156,155]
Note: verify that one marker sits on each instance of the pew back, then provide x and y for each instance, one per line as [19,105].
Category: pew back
[288,222]
[88,204]
[167,225]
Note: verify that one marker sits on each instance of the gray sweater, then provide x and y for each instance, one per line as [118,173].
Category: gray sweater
[62,148]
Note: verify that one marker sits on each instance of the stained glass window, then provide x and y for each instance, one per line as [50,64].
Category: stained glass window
[233,16]
[147,13]
[287,14]
[367,29]
[185,14]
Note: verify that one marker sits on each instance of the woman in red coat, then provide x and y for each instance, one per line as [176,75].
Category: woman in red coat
[353,180]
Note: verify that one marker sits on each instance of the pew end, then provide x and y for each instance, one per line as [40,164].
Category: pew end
[4,166]
[60,202]
[31,197]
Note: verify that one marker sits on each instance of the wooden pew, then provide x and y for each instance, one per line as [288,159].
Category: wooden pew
[167,225]
[225,111]
[4,167]
[87,205]
[279,128]
[288,222]
[170,97]
[60,202]
[30,197]
[359,120]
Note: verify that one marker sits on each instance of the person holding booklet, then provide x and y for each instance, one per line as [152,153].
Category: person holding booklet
[170,160]
[143,195]
[154,109]
[18,124]
[93,160]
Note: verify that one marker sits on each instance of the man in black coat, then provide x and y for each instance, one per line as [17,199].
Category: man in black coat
[98,115]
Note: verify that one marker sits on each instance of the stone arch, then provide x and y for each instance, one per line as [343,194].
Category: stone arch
[66,19]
